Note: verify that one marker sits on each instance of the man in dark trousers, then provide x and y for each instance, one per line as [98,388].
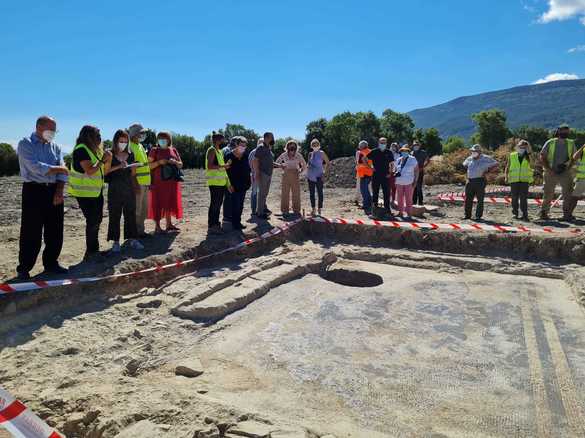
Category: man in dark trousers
[422,158]
[44,175]
[382,159]
[239,176]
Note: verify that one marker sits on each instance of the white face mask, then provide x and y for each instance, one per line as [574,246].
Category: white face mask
[48,135]
[521,151]
[475,154]
[416,148]
[162,143]
[122,146]
[315,148]
[240,150]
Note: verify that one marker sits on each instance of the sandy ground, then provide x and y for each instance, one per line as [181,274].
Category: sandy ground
[455,349]
[434,352]
[339,202]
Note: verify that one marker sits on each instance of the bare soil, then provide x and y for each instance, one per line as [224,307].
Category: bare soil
[340,201]
[300,355]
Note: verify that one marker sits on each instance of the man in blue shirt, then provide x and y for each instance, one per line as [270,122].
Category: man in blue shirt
[44,176]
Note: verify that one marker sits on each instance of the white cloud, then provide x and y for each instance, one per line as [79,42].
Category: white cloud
[580,48]
[559,10]
[557,77]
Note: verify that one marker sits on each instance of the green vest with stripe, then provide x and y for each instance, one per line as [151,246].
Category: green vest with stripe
[553,146]
[82,185]
[142,172]
[216,177]
[520,171]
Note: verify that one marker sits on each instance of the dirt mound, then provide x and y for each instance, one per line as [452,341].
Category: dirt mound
[342,173]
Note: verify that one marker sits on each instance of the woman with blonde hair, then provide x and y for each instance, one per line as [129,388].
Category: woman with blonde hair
[316,173]
[165,193]
[292,163]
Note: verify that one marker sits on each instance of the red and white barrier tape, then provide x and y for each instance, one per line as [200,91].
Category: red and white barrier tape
[10,288]
[447,227]
[20,421]
[493,200]
[489,190]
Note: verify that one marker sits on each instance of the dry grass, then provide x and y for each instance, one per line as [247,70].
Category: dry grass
[448,169]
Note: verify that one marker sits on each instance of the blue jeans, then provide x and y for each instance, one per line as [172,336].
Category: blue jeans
[366,195]
[254,198]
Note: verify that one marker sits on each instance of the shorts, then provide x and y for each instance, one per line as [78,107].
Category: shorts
[579,189]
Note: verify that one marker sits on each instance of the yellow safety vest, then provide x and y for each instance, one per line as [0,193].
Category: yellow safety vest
[142,172]
[581,168]
[553,146]
[82,185]
[520,171]
[216,177]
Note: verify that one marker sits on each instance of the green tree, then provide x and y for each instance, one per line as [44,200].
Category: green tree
[150,139]
[396,126]
[191,151]
[315,129]
[341,135]
[492,131]
[430,140]
[536,135]
[8,160]
[453,144]
[368,127]
[231,130]
[279,145]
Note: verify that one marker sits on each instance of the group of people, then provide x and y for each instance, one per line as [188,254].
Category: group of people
[398,171]
[141,184]
[563,164]
[146,183]
[232,169]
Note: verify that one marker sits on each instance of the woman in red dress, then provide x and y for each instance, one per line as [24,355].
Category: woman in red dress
[165,195]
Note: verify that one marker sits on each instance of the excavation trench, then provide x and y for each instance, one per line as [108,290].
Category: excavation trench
[337,330]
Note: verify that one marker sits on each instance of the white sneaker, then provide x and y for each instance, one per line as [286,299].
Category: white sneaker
[135,244]
[116,247]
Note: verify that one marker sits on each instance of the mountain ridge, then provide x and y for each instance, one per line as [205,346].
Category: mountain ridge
[545,105]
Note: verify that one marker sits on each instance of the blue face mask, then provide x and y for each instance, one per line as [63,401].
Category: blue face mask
[382,147]
[162,143]
[404,154]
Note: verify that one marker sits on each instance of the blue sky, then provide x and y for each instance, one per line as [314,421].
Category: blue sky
[192,66]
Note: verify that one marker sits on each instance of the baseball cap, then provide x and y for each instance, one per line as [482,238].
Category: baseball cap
[135,129]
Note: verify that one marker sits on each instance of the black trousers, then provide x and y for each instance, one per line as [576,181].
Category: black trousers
[318,187]
[217,194]
[41,220]
[237,207]
[417,196]
[475,188]
[377,183]
[93,211]
[121,201]
[519,196]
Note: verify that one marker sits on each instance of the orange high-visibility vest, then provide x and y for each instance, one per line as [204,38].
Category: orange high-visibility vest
[362,169]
